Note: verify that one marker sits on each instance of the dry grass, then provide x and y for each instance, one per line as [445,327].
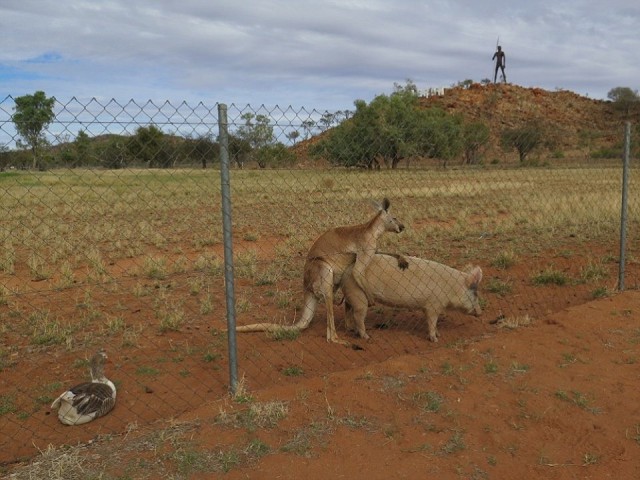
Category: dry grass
[84,239]
[144,223]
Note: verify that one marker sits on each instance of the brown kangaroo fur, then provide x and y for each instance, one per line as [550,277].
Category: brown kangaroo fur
[330,255]
[426,285]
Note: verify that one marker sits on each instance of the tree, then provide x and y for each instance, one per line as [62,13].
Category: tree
[33,114]
[623,98]
[466,84]
[475,136]
[114,154]
[326,120]
[389,129]
[203,148]
[148,146]
[276,155]
[257,132]
[239,150]
[293,136]
[524,139]
[307,126]
[4,157]
[82,146]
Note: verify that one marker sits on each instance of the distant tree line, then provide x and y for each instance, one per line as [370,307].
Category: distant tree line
[384,132]
[148,146]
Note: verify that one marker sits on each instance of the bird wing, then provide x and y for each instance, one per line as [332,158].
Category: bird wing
[98,398]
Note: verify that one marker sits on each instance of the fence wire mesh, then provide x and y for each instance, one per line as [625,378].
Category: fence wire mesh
[111,237]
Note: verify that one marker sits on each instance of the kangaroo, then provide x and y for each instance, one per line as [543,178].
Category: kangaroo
[330,255]
[424,284]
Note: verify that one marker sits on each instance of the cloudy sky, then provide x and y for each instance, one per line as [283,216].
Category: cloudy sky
[320,54]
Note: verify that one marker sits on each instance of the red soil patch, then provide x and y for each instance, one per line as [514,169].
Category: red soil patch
[556,399]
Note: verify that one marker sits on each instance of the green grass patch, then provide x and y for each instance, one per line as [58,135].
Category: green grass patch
[284,334]
[491,368]
[504,260]
[497,286]
[578,399]
[454,444]
[147,371]
[429,401]
[293,371]
[550,276]
[7,404]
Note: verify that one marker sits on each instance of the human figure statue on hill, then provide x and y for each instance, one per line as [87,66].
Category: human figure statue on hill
[501,62]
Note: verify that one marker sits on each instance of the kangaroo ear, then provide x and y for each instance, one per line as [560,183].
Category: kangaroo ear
[384,205]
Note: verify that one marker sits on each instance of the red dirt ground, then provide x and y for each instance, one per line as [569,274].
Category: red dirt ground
[556,399]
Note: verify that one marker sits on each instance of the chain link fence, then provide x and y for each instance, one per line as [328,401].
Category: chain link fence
[111,237]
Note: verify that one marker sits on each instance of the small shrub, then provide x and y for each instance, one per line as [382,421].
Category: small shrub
[48,331]
[293,371]
[171,316]
[7,405]
[155,268]
[593,271]
[250,237]
[491,368]
[429,401]
[499,287]
[284,334]
[211,357]
[147,371]
[454,444]
[550,276]
[600,292]
[504,260]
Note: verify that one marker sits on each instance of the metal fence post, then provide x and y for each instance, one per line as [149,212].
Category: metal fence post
[623,214]
[228,246]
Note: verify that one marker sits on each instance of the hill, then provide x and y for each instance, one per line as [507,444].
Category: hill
[575,128]
[575,118]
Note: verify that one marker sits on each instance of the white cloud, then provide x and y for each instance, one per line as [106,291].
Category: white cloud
[314,54]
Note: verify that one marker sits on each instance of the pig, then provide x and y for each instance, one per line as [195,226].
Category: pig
[423,284]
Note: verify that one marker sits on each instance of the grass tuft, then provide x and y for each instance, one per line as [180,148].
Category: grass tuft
[550,276]
[504,260]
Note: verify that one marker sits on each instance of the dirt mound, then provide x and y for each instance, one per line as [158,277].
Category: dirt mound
[574,117]
[573,124]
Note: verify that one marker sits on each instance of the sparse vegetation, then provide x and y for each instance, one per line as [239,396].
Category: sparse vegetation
[491,368]
[550,276]
[499,287]
[284,334]
[524,139]
[504,260]
[258,415]
[7,405]
[293,371]
[429,401]
[76,273]
[454,444]
[577,398]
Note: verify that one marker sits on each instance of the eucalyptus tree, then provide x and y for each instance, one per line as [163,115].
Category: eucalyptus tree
[33,114]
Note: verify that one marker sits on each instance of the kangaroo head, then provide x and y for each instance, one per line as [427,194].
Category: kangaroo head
[391,223]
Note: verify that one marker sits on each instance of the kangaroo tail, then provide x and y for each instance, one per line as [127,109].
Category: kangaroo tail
[267,327]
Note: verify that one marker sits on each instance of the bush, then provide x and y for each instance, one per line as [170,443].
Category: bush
[524,139]
[389,129]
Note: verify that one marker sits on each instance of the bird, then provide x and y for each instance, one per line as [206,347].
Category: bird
[88,400]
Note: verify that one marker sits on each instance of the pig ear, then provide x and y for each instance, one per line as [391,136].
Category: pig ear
[473,277]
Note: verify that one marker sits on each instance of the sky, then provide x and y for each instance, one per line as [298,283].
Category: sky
[314,54]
